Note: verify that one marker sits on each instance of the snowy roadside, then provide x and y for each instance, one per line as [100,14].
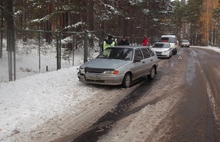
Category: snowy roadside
[46,106]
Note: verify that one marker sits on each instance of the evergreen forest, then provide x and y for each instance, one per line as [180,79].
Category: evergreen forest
[195,20]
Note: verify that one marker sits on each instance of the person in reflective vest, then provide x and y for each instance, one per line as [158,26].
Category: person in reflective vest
[109,42]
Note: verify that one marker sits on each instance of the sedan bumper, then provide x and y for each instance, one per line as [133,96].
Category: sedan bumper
[184,45]
[163,54]
[101,79]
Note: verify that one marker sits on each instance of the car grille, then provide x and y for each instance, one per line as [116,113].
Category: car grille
[158,53]
[185,44]
[96,70]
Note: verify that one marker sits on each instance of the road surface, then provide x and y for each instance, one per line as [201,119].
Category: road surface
[181,104]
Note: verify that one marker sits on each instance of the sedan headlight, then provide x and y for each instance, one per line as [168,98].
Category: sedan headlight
[170,49]
[82,70]
[111,72]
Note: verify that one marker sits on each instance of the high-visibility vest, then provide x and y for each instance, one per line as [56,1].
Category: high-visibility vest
[105,45]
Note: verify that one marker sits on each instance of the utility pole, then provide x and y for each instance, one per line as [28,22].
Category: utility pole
[207,22]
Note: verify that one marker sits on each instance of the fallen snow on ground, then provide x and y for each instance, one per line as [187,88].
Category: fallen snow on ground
[216,49]
[35,98]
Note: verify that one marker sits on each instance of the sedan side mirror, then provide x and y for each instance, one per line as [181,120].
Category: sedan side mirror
[136,60]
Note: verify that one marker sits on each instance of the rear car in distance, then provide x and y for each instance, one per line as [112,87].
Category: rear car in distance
[119,65]
[162,49]
[185,43]
[172,39]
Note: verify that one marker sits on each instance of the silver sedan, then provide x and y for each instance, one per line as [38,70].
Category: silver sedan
[119,65]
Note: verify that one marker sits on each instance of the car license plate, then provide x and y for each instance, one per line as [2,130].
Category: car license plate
[158,53]
[92,77]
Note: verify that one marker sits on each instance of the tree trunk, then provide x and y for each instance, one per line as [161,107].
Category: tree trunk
[1,40]
[91,21]
[10,21]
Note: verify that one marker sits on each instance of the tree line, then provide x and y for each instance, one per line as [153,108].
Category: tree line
[196,20]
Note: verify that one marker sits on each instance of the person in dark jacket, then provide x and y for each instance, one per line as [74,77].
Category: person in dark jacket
[123,41]
[108,42]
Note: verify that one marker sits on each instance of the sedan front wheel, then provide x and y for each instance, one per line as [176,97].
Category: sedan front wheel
[127,80]
[152,73]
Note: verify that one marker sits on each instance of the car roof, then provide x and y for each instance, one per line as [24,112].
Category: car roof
[168,35]
[160,42]
[129,46]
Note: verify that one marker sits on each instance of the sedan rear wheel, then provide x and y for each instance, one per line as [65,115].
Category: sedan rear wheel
[152,73]
[174,51]
[127,80]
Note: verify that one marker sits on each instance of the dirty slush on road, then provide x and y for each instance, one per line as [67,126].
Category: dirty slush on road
[165,109]
[193,120]
[148,93]
[105,123]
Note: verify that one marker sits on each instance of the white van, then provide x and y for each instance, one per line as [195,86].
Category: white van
[172,39]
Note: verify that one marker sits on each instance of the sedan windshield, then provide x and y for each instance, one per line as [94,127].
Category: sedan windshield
[117,53]
[184,41]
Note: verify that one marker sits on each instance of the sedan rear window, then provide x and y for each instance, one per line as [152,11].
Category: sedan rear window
[168,39]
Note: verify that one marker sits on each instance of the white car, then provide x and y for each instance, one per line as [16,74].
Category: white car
[162,49]
[172,39]
[184,43]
